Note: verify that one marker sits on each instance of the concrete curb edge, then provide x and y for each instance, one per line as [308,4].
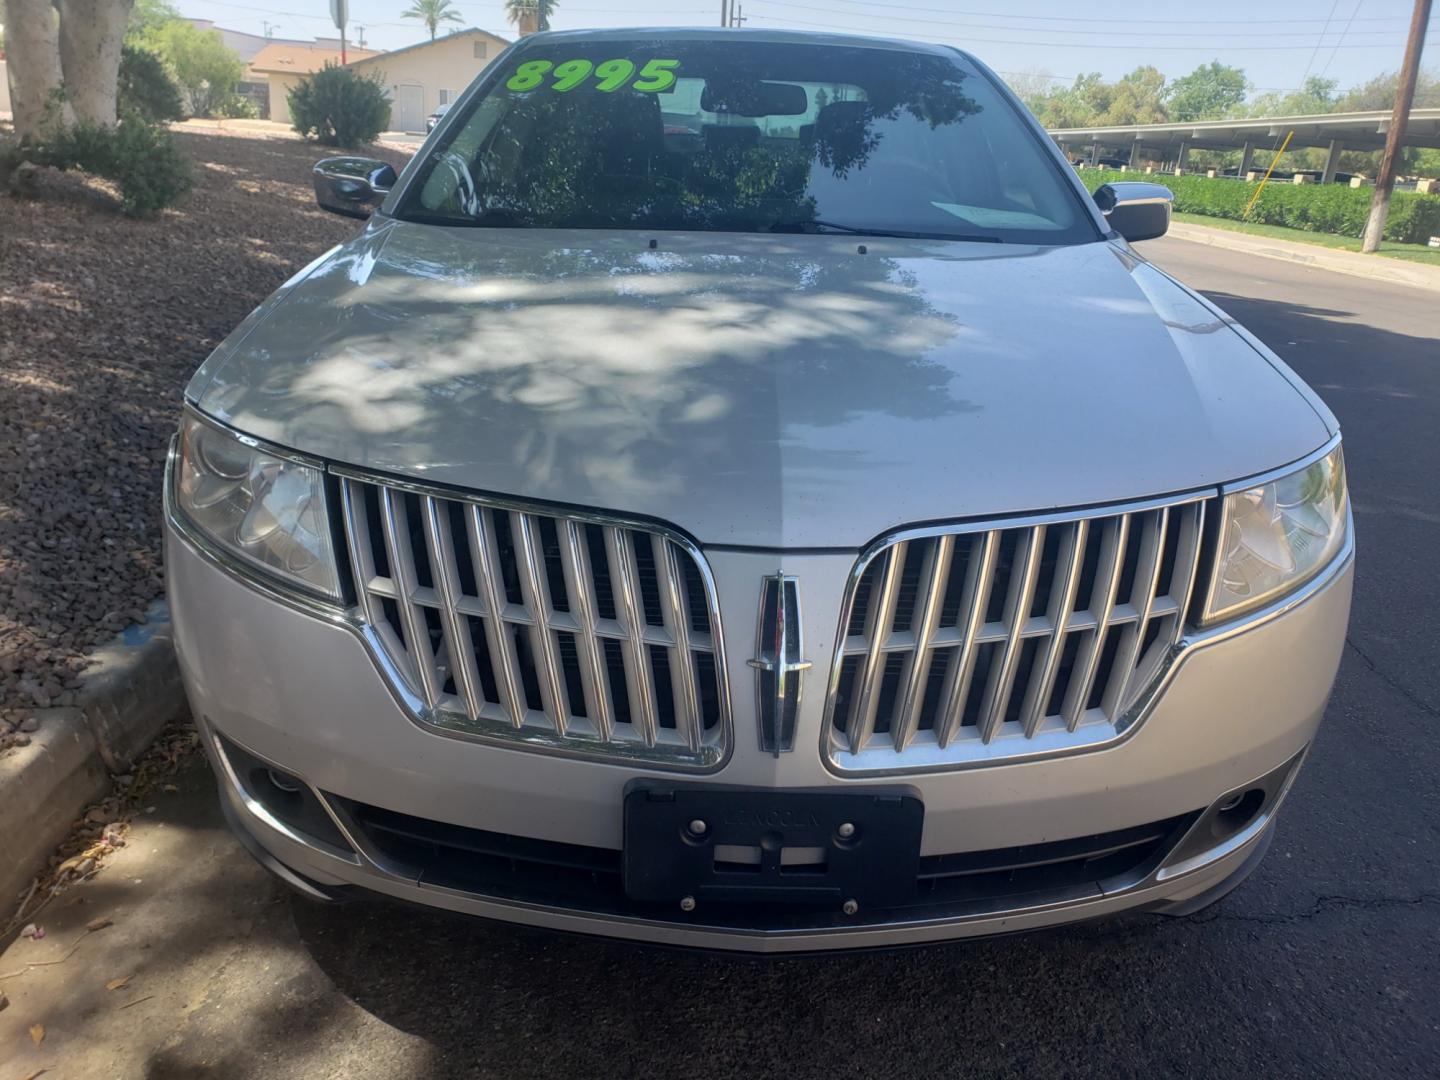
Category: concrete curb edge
[1374,267]
[130,693]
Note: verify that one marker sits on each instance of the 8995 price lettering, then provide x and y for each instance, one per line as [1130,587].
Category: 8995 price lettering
[655,77]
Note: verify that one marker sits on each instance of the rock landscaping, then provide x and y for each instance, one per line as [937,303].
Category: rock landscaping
[102,321]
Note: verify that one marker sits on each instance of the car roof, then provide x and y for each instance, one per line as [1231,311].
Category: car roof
[716,33]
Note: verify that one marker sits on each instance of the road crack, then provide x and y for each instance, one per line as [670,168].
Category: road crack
[1404,691]
[1322,905]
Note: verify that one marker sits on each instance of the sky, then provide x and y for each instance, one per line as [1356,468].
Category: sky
[1349,40]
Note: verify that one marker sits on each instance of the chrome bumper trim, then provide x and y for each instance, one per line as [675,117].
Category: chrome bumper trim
[369,871]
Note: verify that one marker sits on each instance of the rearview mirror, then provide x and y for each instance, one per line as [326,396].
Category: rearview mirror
[352,186]
[740,97]
[1136,211]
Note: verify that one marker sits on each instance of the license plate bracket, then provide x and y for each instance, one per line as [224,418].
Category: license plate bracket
[730,846]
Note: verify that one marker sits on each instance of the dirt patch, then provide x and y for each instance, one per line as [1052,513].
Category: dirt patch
[102,321]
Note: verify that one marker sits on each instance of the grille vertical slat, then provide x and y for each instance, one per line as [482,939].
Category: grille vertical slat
[1142,598]
[923,623]
[542,630]
[1062,604]
[1023,575]
[879,624]
[973,602]
[1102,605]
[457,630]
[535,588]
[671,580]
[396,521]
[481,537]
[1014,640]
[579,585]
[630,607]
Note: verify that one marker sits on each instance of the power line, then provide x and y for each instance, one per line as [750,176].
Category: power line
[1320,40]
[1358,5]
[1088,19]
[1062,30]
[948,39]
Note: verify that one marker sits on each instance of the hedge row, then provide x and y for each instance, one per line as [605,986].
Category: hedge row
[1327,208]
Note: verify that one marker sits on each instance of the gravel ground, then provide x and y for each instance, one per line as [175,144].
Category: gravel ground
[102,321]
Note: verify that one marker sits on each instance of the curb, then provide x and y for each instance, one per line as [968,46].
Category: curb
[129,695]
[132,689]
[1374,267]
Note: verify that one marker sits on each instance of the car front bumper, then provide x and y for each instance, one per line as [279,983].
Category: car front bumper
[303,693]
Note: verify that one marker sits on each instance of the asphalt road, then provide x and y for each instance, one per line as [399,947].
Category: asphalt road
[1327,962]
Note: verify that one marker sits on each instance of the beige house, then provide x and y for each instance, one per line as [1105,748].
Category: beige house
[422,77]
[284,64]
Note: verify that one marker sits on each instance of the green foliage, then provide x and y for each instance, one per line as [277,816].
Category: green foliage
[338,107]
[1379,93]
[540,10]
[432,13]
[1326,208]
[1315,97]
[148,16]
[140,157]
[238,107]
[206,69]
[1209,92]
[146,88]
[1137,98]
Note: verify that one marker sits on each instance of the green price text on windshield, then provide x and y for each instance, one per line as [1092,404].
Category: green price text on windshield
[655,77]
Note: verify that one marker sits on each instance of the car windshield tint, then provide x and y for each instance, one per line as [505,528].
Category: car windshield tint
[748,136]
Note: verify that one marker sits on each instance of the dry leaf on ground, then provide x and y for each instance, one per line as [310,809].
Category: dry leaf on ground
[37,1033]
[99,924]
[120,983]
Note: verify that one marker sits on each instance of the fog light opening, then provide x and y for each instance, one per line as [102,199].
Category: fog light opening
[1236,811]
[283,781]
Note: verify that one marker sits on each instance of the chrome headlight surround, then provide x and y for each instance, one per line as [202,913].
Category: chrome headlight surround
[260,505]
[1277,534]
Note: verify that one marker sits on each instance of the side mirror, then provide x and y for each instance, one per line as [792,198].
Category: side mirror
[1136,211]
[352,186]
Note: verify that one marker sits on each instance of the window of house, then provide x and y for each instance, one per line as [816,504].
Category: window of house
[444,97]
[480,50]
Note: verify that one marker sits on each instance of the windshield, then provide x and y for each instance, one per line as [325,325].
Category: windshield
[745,136]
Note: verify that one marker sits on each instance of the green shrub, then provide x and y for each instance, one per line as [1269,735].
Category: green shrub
[146,88]
[238,107]
[338,107]
[1327,208]
[140,157]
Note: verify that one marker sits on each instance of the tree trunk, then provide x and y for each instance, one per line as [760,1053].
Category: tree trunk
[33,52]
[91,32]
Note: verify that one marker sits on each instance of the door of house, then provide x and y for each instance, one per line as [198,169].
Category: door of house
[410,108]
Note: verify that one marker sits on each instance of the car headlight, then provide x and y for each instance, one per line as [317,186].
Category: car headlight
[1276,536]
[267,510]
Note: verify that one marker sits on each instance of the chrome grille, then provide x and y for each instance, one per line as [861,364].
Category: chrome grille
[966,646]
[585,635]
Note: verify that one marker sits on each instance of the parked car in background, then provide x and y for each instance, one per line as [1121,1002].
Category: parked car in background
[670,518]
[436,116]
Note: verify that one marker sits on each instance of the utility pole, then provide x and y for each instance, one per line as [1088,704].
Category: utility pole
[270,28]
[738,18]
[360,30]
[724,12]
[1404,97]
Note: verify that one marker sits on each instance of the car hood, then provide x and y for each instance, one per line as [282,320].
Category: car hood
[775,391]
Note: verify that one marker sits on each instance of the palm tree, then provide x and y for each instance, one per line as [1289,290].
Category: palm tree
[530,15]
[432,13]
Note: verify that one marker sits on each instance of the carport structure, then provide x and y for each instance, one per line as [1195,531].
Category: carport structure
[1333,132]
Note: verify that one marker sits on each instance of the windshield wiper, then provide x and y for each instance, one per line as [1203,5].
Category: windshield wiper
[821,225]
